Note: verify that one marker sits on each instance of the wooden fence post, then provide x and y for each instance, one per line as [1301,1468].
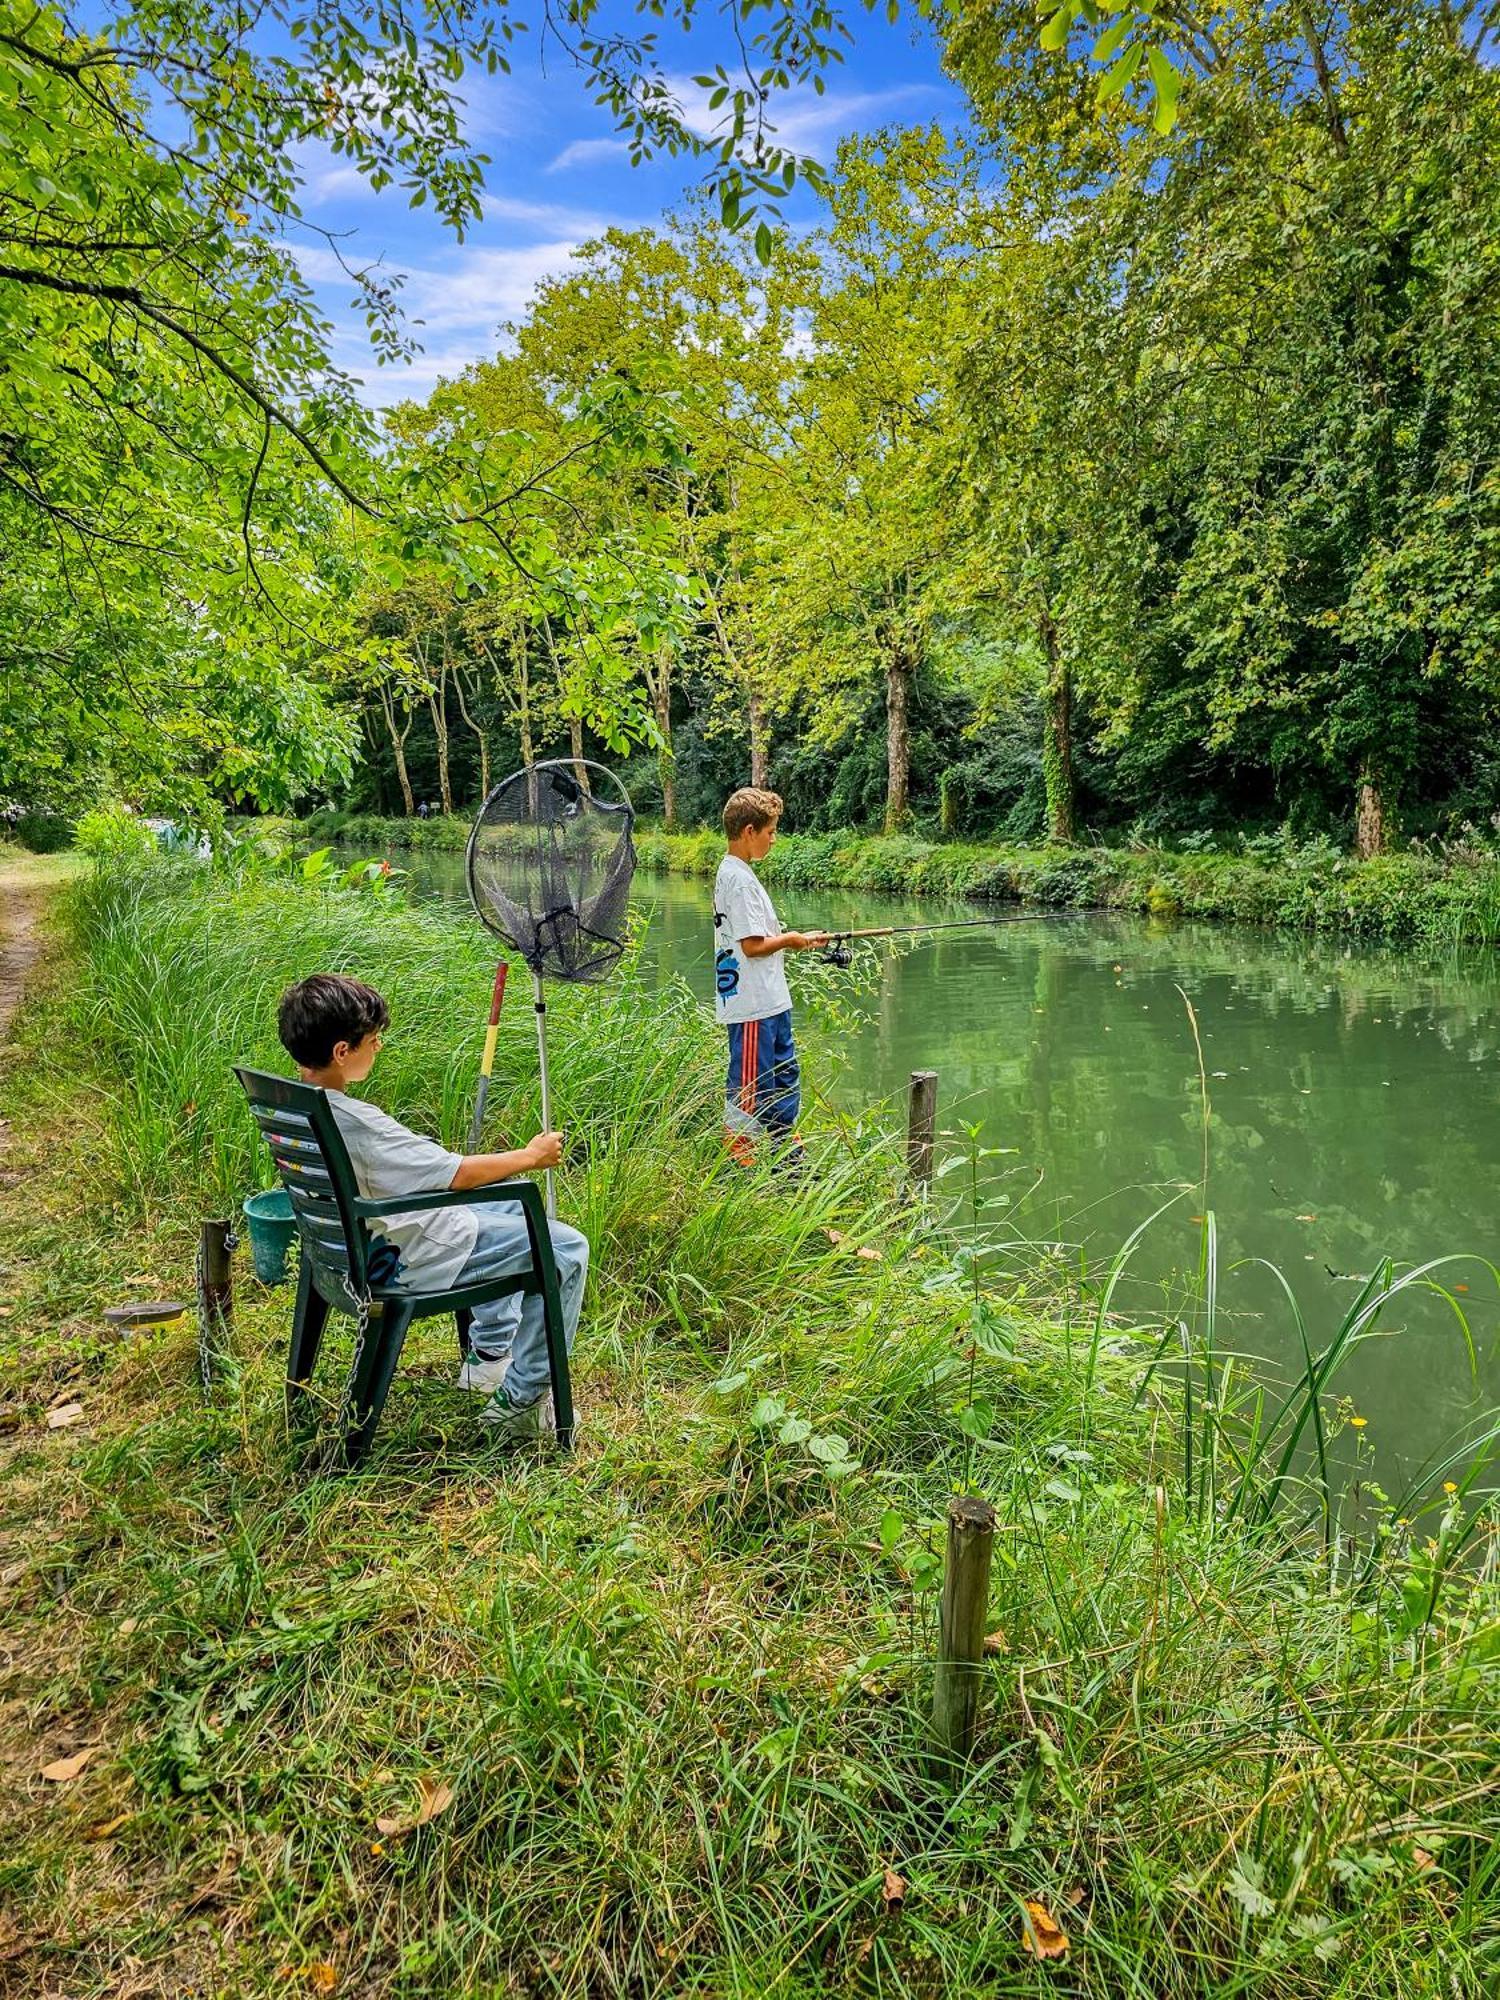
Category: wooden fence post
[921,1121]
[966,1590]
[215,1298]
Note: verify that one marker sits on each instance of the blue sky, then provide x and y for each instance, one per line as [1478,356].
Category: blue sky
[560,175]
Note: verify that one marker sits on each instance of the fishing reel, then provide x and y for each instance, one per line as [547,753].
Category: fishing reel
[837,952]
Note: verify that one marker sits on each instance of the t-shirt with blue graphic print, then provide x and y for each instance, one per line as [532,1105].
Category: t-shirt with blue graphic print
[745,989]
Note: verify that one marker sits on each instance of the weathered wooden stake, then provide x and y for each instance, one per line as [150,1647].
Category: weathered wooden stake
[921,1121]
[215,1296]
[966,1591]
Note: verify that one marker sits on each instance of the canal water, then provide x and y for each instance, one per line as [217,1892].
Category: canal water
[1354,1115]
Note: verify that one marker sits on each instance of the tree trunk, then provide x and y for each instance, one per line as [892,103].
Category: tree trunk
[438,703]
[1331,111]
[760,742]
[898,679]
[1370,833]
[661,701]
[398,743]
[575,744]
[1057,740]
[482,735]
[528,743]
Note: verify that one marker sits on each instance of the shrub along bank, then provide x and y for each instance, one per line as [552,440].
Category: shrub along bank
[663,1702]
[1412,897]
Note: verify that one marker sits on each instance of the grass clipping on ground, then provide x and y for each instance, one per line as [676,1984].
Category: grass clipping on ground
[649,1719]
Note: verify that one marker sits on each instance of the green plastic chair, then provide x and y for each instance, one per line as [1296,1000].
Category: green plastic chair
[338,1269]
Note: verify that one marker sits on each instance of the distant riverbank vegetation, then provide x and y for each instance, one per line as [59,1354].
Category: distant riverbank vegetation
[1434,893]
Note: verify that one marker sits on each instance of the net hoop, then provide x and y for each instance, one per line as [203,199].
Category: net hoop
[559,941]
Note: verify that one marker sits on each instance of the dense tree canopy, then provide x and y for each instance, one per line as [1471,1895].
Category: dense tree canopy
[1131,463]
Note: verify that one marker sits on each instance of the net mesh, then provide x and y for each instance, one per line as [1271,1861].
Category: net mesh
[550,865]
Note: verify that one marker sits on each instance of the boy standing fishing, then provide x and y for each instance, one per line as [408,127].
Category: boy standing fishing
[751,996]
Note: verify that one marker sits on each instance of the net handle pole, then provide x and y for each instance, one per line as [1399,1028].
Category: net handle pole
[487,1060]
[539,1004]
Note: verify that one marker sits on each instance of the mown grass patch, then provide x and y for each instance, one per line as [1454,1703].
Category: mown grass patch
[676,1683]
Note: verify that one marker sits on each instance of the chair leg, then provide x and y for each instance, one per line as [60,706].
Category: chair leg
[372,1379]
[557,1353]
[465,1319]
[309,1317]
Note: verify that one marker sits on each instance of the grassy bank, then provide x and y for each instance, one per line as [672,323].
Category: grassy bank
[1419,898]
[675,1685]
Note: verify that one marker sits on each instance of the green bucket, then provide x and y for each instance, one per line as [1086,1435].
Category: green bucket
[268,1219]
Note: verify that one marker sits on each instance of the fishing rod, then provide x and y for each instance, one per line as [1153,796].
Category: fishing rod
[837,952]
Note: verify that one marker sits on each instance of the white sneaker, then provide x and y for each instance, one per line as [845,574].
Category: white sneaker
[484,1376]
[509,1425]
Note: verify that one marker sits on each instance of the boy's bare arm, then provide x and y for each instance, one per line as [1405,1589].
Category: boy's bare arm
[762,947]
[483,1169]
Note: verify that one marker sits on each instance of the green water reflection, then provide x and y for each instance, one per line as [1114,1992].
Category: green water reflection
[1352,1113]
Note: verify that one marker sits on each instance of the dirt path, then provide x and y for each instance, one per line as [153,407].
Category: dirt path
[24,888]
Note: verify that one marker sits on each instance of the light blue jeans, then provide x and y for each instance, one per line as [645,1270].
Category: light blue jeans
[514,1325]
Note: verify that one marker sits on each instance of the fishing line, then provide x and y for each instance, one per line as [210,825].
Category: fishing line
[837,952]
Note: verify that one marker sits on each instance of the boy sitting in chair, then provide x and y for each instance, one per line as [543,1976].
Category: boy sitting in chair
[331,1027]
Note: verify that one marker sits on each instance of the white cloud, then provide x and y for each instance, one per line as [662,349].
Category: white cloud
[587,152]
[803,121]
[455,309]
[481,288]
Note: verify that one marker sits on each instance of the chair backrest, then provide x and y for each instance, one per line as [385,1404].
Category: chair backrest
[299,1127]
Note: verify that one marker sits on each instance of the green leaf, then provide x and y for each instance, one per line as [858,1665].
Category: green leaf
[1123,74]
[1055,34]
[1168,81]
[977,1419]
[1108,44]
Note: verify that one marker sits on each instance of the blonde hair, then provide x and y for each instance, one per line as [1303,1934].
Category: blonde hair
[750,808]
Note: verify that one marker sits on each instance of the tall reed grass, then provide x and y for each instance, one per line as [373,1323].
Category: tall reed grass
[675,1683]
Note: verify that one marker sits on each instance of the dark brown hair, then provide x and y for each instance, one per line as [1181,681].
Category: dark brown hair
[325,1009]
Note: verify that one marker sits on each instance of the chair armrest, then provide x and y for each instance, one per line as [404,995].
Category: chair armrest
[524,1192]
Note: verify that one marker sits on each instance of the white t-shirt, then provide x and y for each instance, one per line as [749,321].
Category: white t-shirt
[745,989]
[389,1160]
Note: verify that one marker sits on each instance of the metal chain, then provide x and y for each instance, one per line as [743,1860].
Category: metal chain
[209,1349]
[360,1300]
[205,1349]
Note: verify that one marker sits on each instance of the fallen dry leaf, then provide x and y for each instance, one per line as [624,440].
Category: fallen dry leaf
[1423,1859]
[127,1626]
[64,1769]
[1041,1934]
[322,1977]
[996,1642]
[106,1827]
[893,1889]
[436,1797]
[68,1414]
[835,1236]
[869,1253]
[1307,1218]
[1074,1896]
